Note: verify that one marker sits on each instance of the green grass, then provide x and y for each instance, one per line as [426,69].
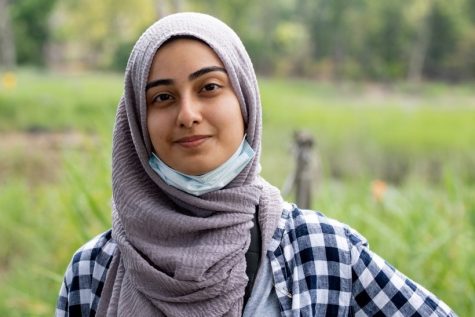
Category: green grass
[360,133]
[45,101]
[419,140]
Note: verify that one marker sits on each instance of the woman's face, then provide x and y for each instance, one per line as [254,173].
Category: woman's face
[193,115]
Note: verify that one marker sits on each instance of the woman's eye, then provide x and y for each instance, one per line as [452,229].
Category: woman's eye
[210,87]
[162,98]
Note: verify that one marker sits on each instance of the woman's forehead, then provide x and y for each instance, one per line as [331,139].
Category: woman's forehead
[182,57]
[177,48]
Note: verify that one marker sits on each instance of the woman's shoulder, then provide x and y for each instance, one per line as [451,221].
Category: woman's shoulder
[85,275]
[314,254]
[297,223]
[97,249]
[91,260]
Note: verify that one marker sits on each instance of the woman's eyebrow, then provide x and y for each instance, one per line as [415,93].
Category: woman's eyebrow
[192,76]
[158,82]
[205,70]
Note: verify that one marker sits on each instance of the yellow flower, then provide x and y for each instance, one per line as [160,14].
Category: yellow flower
[9,80]
[378,189]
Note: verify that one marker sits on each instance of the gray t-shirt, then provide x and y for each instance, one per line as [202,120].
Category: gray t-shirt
[263,301]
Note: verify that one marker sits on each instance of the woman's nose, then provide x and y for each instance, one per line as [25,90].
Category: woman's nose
[189,113]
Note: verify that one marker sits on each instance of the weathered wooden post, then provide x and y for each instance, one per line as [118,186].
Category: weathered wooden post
[303,176]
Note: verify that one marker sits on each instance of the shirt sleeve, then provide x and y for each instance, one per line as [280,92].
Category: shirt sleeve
[76,290]
[84,278]
[379,289]
[62,304]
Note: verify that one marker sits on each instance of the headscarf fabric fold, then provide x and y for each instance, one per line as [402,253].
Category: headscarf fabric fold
[178,254]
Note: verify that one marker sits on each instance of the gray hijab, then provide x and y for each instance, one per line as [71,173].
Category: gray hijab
[181,255]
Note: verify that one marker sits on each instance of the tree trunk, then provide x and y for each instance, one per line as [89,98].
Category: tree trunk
[419,49]
[7,43]
[163,8]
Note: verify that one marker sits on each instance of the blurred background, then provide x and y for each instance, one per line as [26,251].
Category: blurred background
[385,88]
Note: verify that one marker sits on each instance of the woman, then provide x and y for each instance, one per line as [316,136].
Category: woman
[187,191]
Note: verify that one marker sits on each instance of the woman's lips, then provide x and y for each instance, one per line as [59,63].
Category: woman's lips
[192,141]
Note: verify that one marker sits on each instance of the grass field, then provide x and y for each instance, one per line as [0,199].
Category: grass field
[397,163]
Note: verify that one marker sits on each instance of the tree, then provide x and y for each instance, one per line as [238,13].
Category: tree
[444,24]
[104,36]
[7,44]
[422,34]
[30,26]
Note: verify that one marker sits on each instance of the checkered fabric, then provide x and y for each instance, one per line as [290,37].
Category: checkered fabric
[321,267]
[85,276]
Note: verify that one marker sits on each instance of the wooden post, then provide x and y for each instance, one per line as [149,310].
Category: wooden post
[303,175]
[302,178]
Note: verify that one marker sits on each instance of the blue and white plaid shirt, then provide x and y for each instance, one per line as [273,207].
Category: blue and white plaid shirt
[321,267]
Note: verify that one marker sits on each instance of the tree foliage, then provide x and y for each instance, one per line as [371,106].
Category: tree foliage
[330,39]
[31,29]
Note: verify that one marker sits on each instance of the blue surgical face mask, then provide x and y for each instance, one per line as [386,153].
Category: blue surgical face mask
[213,180]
